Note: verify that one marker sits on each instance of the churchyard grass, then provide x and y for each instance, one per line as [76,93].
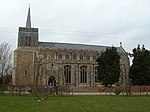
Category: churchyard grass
[75,104]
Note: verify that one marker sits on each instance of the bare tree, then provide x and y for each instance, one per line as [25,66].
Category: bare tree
[5,61]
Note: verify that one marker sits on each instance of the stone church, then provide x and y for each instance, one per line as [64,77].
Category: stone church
[47,63]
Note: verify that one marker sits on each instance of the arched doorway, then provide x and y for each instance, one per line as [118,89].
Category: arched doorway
[51,81]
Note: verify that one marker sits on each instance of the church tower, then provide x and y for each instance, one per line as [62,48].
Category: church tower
[28,36]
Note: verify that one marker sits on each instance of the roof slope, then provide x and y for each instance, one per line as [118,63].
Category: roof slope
[76,46]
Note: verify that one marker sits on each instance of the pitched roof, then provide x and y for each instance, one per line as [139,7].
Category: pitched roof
[76,46]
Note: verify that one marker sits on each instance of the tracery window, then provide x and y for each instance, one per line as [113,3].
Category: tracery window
[83,74]
[53,56]
[67,56]
[59,56]
[94,57]
[74,56]
[87,57]
[96,74]
[81,57]
[67,73]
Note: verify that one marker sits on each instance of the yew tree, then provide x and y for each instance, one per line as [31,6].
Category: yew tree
[140,69]
[109,67]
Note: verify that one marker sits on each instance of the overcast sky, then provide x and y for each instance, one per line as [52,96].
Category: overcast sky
[96,22]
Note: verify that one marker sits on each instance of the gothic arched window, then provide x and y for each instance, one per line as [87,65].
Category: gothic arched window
[53,56]
[67,73]
[96,74]
[59,56]
[94,57]
[81,57]
[83,74]
[87,57]
[74,56]
[67,56]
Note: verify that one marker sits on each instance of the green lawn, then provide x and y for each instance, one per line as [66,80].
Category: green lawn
[76,104]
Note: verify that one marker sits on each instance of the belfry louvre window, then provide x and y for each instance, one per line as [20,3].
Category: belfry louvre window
[67,73]
[83,74]
[27,41]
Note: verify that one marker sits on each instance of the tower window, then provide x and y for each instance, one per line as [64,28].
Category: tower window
[25,72]
[27,41]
